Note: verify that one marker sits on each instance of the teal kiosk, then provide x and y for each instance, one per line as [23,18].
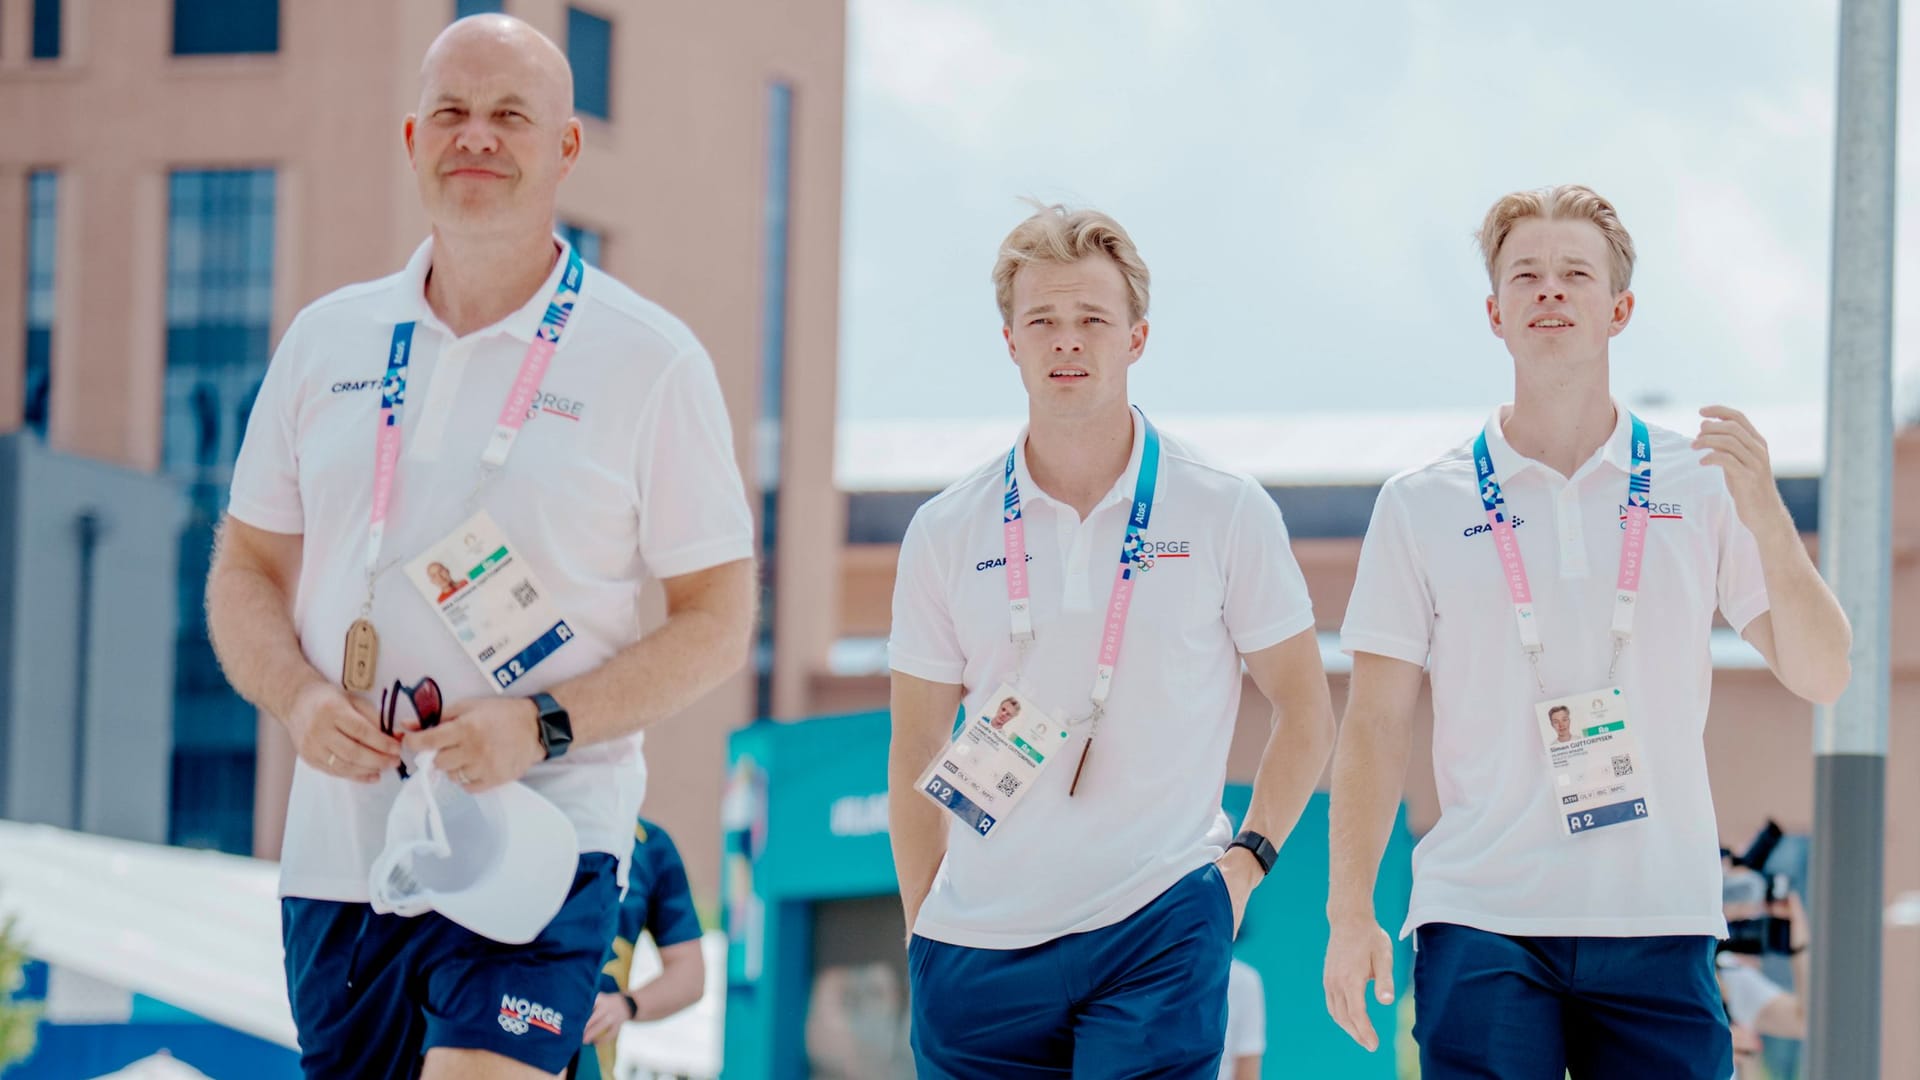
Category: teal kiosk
[816,962]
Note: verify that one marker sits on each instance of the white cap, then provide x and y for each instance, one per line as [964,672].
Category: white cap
[499,863]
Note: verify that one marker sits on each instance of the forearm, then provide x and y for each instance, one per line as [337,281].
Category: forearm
[1369,771]
[1290,766]
[677,986]
[917,828]
[656,677]
[1810,630]
[250,625]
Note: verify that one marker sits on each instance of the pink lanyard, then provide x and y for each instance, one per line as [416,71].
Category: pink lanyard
[513,414]
[1632,548]
[1119,601]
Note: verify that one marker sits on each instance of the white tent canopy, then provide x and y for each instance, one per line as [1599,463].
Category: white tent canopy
[199,930]
[157,1067]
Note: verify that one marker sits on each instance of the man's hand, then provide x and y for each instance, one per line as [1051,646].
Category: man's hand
[1242,872]
[609,1012]
[1358,951]
[340,735]
[1736,447]
[485,742]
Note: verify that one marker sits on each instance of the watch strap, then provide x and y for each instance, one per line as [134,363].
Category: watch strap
[1262,849]
[553,725]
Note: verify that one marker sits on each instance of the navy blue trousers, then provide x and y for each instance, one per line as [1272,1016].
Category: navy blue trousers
[1145,997]
[1492,1007]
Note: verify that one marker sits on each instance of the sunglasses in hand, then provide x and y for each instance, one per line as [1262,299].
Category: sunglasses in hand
[424,696]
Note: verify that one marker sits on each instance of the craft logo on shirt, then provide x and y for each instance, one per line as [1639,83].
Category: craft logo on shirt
[995,563]
[1484,527]
[1657,511]
[565,408]
[350,386]
[518,1016]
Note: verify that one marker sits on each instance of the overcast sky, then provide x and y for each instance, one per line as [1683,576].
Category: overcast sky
[1304,181]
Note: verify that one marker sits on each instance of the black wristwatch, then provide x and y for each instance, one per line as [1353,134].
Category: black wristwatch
[555,727]
[633,1004]
[1262,848]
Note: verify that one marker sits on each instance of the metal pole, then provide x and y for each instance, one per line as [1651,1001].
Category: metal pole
[1856,500]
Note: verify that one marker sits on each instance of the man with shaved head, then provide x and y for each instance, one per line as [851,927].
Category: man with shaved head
[403,424]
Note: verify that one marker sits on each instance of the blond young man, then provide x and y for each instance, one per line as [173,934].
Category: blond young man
[1565,905]
[1071,883]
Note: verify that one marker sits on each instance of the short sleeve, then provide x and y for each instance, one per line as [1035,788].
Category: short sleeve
[1246,1012]
[923,642]
[671,918]
[693,506]
[266,476]
[1266,594]
[1740,583]
[1391,610]
[1747,992]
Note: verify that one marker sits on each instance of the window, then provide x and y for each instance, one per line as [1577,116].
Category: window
[46,29]
[207,27]
[41,246]
[219,317]
[464,8]
[590,51]
[773,370]
[584,240]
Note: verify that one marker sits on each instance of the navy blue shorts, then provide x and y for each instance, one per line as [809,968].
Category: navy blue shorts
[1144,997]
[373,993]
[1518,1008]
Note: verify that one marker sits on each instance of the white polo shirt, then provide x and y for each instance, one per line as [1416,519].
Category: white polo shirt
[1223,582]
[623,472]
[1430,591]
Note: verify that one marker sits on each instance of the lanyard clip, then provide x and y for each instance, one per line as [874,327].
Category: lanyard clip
[1619,646]
[1533,652]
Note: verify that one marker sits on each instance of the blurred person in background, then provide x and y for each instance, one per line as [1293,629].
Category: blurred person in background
[1762,918]
[659,904]
[1246,1023]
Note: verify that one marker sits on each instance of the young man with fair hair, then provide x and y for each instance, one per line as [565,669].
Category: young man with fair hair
[1070,881]
[1565,906]
[319,593]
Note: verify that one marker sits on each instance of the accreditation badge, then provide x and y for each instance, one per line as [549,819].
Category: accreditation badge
[993,760]
[1594,758]
[490,601]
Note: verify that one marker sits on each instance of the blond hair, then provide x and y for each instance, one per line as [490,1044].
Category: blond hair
[1055,234]
[1567,202]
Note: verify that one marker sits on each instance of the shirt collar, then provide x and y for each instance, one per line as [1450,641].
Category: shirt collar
[1617,451]
[521,324]
[1122,490]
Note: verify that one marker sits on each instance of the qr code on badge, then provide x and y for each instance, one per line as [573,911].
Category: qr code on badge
[1622,765]
[1008,785]
[524,593]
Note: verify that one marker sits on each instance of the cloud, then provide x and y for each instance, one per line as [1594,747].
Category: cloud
[1305,180]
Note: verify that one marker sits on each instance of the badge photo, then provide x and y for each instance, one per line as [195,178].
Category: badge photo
[488,598]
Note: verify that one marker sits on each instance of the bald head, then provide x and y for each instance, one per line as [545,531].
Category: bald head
[495,132]
[508,46]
